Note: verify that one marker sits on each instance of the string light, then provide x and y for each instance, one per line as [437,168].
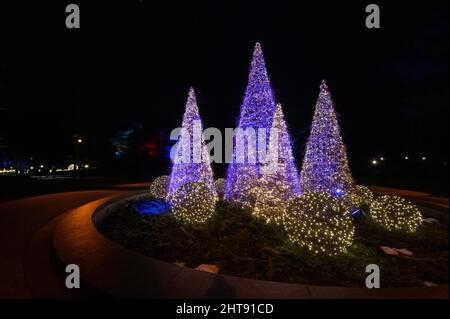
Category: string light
[257,112]
[268,199]
[193,203]
[190,170]
[158,188]
[7,171]
[325,166]
[358,197]
[286,171]
[273,190]
[320,223]
[396,213]
[220,186]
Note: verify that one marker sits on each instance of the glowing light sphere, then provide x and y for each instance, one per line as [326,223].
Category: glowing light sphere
[193,203]
[325,165]
[220,187]
[320,223]
[158,188]
[358,196]
[396,214]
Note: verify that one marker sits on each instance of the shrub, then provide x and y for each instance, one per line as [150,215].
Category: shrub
[320,223]
[396,213]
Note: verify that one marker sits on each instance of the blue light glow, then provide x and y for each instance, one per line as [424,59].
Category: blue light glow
[151,207]
[356,213]
[338,192]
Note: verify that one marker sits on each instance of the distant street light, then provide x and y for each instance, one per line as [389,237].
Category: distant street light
[406,158]
[424,158]
[77,164]
[374,162]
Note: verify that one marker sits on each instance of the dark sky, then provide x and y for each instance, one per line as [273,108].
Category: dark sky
[133,61]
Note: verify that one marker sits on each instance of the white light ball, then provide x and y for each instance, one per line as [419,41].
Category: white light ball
[193,203]
[158,188]
[396,214]
[319,223]
[358,196]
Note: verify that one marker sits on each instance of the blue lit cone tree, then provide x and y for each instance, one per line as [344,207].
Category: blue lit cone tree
[191,161]
[257,111]
[325,165]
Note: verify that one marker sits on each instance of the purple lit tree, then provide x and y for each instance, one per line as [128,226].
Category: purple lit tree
[325,166]
[191,161]
[257,111]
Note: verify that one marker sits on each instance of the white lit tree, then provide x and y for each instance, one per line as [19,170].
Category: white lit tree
[325,166]
[282,184]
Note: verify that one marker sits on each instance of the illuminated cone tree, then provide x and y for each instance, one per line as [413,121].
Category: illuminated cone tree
[257,111]
[325,166]
[191,161]
[282,183]
[287,171]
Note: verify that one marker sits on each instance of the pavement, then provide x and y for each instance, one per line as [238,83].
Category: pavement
[419,197]
[26,230]
[26,227]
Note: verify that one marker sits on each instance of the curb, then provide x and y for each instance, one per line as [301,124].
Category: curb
[123,273]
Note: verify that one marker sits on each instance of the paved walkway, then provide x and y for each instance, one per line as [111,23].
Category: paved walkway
[420,197]
[25,232]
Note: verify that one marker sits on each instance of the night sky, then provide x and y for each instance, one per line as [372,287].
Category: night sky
[133,62]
